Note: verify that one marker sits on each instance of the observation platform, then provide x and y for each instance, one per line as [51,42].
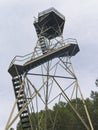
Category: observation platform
[50,23]
[64,51]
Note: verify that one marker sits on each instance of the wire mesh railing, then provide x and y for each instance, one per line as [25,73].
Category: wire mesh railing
[37,52]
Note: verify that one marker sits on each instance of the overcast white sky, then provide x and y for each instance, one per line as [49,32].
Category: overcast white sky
[18,37]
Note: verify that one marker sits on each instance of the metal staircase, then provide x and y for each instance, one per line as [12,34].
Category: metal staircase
[21,100]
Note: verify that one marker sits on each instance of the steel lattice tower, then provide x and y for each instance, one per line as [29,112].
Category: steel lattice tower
[46,76]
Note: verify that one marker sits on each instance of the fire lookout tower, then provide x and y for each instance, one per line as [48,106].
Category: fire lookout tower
[45,76]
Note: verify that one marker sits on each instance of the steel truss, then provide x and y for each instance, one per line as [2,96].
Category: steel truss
[44,85]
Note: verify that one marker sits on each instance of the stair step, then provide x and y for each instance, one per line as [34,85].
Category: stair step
[24,112]
[17,79]
[26,127]
[24,117]
[20,107]
[21,102]
[25,122]
[16,84]
[17,88]
[21,94]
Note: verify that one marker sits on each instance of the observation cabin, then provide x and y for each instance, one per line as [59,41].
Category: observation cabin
[50,23]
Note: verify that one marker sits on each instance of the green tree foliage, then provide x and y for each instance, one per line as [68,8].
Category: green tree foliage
[62,117]
[94,109]
[11,128]
[67,117]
